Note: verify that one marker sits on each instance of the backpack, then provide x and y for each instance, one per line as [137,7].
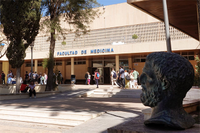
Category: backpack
[114,75]
[36,76]
[98,75]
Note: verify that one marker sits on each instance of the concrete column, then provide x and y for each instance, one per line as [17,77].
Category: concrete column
[117,62]
[5,69]
[72,66]
[36,66]
[64,70]
[130,62]
[87,64]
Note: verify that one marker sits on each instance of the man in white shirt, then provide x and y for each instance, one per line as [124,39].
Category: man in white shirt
[113,77]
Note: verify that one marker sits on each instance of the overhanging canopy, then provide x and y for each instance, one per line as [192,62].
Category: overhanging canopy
[182,13]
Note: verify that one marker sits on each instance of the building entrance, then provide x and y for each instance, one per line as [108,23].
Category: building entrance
[104,75]
[104,67]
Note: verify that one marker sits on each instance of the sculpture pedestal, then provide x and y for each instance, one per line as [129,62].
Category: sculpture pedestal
[136,125]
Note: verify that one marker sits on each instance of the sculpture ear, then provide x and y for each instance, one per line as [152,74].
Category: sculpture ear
[164,84]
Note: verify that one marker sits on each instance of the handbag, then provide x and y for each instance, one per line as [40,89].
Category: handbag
[128,77]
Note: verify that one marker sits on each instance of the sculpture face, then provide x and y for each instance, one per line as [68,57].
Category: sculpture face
[165,80]
[150,86]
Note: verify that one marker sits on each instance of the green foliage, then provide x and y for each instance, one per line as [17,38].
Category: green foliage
[64,43]
[197,71]
[20,20]
[16,54]
[134,36]
[77,13]
[47,62]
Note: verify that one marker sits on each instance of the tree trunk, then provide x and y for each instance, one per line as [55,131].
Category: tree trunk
[51,63]
[18,80]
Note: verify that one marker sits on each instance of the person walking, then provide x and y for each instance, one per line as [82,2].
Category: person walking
[89,78]
[97,76]
[3,77]
[127,78]
[122,80]
[118,79]
[86,78]
[131,85]
[59,77]
[113,77]
[135,75]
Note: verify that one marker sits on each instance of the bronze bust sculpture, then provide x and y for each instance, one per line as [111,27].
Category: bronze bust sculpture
[165,80]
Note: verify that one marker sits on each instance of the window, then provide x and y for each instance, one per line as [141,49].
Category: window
[81,62]
[76,62]
[39,63]
[68,63]
[28,64]
[123,62]
[58,63]
[188,55]
[141,58]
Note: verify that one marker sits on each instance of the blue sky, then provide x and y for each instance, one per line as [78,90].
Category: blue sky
[110,2]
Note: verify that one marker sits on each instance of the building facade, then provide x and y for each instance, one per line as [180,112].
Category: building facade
[109,44]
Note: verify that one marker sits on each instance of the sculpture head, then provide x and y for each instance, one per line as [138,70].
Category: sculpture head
[165,76]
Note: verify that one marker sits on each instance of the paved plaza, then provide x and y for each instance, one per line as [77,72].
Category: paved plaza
[113,111]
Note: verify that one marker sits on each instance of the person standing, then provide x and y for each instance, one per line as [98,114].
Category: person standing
[3,77]
[36,77]
[9,78]
[135,75]
[122,80]
[45,78]
[86,78]
[113,77]
[89,77]
[26,76]
[97,76]
[30,74]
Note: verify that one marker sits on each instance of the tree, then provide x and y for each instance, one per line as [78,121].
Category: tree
[3,42]
[20,20]
[77,13]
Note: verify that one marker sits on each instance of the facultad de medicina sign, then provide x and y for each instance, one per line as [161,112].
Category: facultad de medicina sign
[83,52]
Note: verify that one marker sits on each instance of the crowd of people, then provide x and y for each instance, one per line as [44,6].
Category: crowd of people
[125,78]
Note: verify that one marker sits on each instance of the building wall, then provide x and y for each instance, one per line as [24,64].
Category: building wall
[80,71]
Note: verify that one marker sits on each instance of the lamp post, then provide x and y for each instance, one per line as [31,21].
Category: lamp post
[32,44]
[166,20]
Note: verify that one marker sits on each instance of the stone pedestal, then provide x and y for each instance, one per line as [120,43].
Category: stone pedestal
[136,125]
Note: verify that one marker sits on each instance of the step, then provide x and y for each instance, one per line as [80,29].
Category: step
[44,120]
[42,116]
[58,115]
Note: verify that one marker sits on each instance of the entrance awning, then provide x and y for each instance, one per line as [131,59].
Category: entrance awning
[182,13]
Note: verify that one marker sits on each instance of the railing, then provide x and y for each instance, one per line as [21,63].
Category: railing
[150,32]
